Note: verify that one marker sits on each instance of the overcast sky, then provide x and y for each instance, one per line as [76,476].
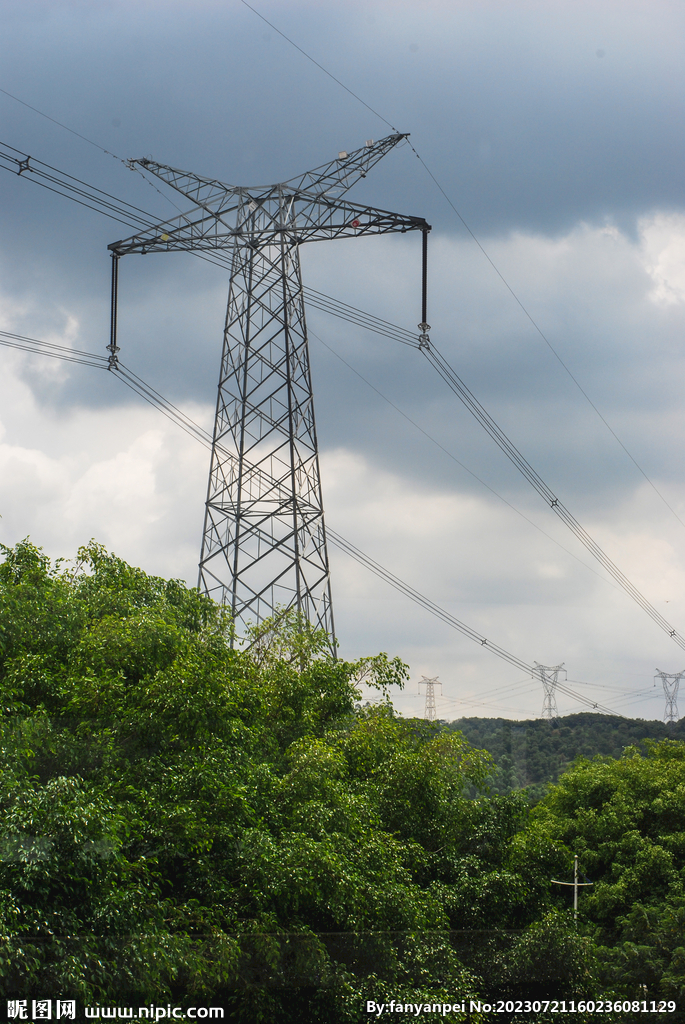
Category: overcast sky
[555,129]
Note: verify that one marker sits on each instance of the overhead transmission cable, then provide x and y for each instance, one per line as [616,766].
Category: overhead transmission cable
[446,616]
[482,249]
[67,185]
[505,445]
[74,188]
[454,457]
[46,348]
[61,125]
[175,414]
[461,704]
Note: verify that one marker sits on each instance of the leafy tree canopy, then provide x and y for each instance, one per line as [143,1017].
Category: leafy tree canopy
[183,819]
[625,819]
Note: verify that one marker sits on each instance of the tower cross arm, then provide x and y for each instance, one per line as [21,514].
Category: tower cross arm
[336,177]
[306,208]
[318,219]
[208,193]
[333,178]
[289,217]
[198,229]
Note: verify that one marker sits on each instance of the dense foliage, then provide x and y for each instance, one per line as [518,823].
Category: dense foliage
[183,821]
[626,821]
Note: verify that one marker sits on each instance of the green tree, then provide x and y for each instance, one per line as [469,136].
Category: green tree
[183,819]
[625,819]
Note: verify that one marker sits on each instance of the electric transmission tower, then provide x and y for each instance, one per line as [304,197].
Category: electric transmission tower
[264,539]
[430,713]
[671,682]
[549,676]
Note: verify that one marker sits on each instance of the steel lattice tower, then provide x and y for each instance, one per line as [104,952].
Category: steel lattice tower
[264,539]
[430,712]
[549,676]
[671,683]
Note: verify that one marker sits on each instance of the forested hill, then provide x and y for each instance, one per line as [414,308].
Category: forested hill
[534,752]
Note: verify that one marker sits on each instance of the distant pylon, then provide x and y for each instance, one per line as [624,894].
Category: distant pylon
[671,682]
[429,711]
[549,676]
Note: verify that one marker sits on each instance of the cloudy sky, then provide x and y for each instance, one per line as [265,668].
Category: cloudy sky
[555,129]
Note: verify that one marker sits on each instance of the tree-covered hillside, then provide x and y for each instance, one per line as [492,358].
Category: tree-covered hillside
[534,752]
[183,823]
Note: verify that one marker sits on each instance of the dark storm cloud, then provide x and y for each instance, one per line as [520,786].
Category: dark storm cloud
[524,124]
[510,104]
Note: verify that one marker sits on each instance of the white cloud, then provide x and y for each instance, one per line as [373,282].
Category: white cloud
[126,476]
[663,252]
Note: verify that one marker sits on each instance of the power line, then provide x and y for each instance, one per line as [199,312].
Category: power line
[122,372]
[61,125]
[447,617]
[487,256]
[455,459]
[320,66]
[69,187]
[505,445]
[74,188]
[43,348]
[359,317]
[175,414]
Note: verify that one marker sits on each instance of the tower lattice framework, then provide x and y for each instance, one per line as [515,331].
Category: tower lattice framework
[671,684]
[430,711]
[264,539]
[549,675]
